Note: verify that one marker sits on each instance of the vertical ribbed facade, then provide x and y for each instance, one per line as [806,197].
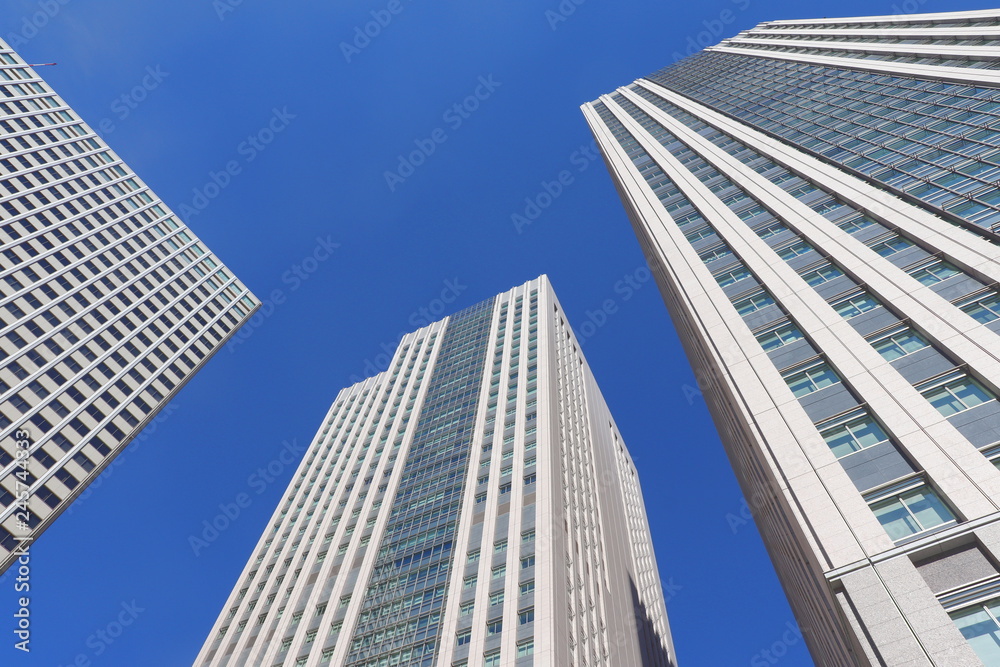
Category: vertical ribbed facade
[819,202]
[108,305]
[472,505]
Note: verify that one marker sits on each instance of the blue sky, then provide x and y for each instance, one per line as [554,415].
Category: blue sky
[272,131]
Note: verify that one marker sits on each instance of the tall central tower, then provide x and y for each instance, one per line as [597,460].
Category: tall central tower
[472,505]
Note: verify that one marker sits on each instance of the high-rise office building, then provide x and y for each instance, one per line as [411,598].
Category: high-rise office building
[474,504]
[108,305]
[819,202]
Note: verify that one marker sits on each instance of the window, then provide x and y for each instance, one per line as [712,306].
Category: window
[496,598]
[528,536]
[983,309]
[851,434]
[526,616]
[727,278]
[466,608]
[530,478]
[806,381]
[504,488]
[954,393]
[491,659]
[821,274]
[853,224]
[499,571]
[930,274]
[892,346]
[473,556]
[754,302]
[528,561]
[526,648]
[855,305]
[980,626]
[469,582]
[494,627]
[783,334]
[795,249]
[908,512]
[463,637]
[891,245]
[528,587]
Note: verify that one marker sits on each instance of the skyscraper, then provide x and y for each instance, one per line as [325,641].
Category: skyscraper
[819,203]
[108,305]
[474,504]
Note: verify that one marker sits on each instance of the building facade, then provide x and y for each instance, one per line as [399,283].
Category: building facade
[108,305]
[819,203]
[472,505]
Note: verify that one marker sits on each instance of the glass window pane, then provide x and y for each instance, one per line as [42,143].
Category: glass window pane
[895,519]
[841,441]
[867,432]
[888,348]
[927,507]
[824,377]
[981,632]
[800,385]
[943,400]
[970,393]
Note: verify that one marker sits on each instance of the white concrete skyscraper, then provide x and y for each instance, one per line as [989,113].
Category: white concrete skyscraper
[820,201]
[472,505]
[108,305]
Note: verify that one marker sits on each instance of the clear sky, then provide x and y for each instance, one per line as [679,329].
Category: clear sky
[271,128]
